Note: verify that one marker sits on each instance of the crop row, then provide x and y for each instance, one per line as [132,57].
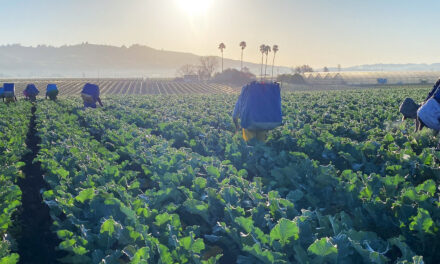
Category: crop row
[130,87]
[392,173]
[163,179]
[290,177]
[14,124]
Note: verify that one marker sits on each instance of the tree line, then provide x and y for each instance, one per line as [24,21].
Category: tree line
[208,64]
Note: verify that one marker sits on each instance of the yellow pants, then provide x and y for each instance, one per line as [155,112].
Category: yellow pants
[250,134]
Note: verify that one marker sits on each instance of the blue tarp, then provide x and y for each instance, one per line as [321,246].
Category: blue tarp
[2,92]
[260,106]
[31,89]
[51,87]
[382,80]
[9,87]
[91,89]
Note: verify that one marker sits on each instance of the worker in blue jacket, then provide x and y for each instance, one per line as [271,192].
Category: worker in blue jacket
[259,109]
[90,95]
[52,91]
[9,93]
[31,92]
[429,113]
[247,134]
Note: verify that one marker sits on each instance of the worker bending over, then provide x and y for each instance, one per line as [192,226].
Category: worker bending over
[9,93]
[52,91]
[31,92]
[427,114]
[90,95]
[259,110]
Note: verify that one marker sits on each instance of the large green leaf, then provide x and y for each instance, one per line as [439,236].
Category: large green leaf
[85,195]
[323,247]
[284,231]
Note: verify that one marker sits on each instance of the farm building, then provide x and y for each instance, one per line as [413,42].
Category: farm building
[370,78]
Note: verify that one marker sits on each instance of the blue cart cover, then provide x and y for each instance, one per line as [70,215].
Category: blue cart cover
[2,92]
[31,89]
[261,106]
[9,89]
[51,87]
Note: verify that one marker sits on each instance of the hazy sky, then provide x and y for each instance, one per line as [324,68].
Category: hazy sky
[315,32]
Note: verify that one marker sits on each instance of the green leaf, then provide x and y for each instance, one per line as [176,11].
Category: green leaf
[62,173]
[108,227]
[388,138]
[263,255]
[284,231]
[197,207]
[323,247]
[366,192]
[11,259]
[165,256]
[80,250]
[422,222]
[200,182]
[63,234]
[213,171]
[85,195]
[192,245]
[162,219]
[142,256]
[428,186]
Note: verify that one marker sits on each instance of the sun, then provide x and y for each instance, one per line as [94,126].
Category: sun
[195,7]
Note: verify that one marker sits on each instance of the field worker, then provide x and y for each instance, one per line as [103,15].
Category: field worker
[31,92]
[259,109]
[428,113]
[52,91]
[90,95]
[2,93]
[9,92]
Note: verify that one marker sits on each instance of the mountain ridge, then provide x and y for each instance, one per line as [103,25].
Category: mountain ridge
[96,60]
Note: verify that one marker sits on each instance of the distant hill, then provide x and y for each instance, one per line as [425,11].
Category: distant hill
[89,60]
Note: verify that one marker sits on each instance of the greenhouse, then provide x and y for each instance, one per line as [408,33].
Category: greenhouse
[370,78]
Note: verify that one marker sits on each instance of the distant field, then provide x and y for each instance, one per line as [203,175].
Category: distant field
[70,87]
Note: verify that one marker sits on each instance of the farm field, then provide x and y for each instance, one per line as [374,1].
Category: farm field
[69,87]
[164,179]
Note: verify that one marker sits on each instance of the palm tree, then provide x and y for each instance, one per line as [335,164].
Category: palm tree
[266,51]
[262,50]
[275,50]
[221,47]
[243,46]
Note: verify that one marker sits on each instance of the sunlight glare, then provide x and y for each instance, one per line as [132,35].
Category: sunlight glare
[195,7]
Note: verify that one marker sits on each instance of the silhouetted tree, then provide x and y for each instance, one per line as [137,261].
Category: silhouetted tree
[262,50]
[207,66]
[221,47]
[187,69]
[275,50]
[325,69]
[304,68]
[243,46]
[267,49]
